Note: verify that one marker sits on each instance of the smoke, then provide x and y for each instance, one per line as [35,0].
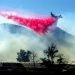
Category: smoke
[13,38]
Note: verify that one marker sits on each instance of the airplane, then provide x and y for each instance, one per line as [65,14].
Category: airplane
[54,25]
[53,15]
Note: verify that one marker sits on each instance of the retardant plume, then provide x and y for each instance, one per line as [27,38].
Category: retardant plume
[39,25]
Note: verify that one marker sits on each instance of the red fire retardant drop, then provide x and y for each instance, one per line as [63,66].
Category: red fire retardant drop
[38,25]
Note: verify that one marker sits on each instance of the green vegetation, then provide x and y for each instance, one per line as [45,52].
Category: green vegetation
[53,60]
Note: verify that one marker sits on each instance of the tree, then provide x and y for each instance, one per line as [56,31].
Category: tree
[61,59]
[52,54]
[23,56]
